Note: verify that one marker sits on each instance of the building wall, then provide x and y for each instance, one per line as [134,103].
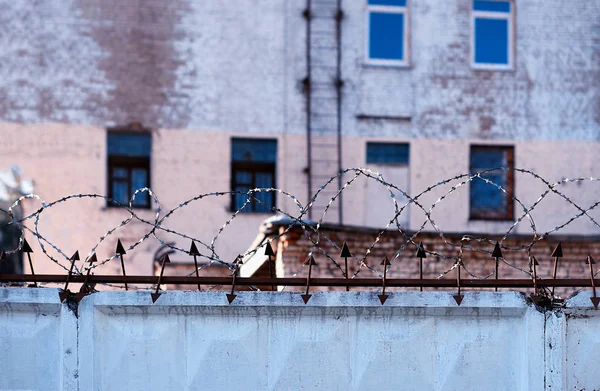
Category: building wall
[199,73]
[71,159]
[185,64]
[552,94]
[370,246]
[339,341]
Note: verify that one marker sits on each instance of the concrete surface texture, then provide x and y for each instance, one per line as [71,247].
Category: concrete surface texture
[339,341]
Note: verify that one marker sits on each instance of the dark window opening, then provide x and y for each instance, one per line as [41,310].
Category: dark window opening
[128,167]
[253,166]
[387,153]
[487,202]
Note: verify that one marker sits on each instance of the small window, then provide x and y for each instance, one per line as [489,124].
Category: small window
[128,167]
[387,38]
[253,166]
[486,200]
[387,153]
[492,34]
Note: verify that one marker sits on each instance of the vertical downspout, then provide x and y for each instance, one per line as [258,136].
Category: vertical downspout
[339,84]
[307,91]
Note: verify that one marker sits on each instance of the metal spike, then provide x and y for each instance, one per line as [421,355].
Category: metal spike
[194,249]
[540,300]
[310,261]
[64,292]
[557,252]
[421,254]
[270,253]
[120,248]
[458,299]
[62,295]
[26,248]
[269,250]
[595,299]
[231,296]
[346,254]
[85,288]
[534,263]
[194,252]
[78,296]
[385,261]
[421,251]
[345,251]
[497,253]
[121,252]
[155,296]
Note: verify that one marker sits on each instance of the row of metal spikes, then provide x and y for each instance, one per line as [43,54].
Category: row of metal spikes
[539,296]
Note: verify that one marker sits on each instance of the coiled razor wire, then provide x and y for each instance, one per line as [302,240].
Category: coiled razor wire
[312,230]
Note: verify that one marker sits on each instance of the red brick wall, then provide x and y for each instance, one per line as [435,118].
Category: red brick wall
[296,246]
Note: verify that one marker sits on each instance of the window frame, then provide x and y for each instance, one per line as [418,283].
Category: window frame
[392,164]
[252,167]
[497,15]
[388,9]
[129,163]
[509,213]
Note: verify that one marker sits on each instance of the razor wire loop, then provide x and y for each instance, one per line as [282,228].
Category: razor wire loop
[308,228]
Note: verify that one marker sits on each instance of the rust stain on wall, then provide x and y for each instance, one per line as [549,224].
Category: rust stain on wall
[139,39]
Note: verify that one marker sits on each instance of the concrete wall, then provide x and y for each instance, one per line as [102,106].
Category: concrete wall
[339,341]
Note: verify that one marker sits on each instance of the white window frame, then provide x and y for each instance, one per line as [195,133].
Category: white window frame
[508,16]
[389,9]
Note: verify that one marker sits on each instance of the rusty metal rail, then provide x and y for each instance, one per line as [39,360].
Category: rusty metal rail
[328,250]
[301,281]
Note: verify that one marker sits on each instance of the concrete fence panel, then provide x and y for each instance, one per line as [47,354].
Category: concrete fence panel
[272,341]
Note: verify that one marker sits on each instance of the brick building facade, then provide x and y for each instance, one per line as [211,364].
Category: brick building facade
[294,243]
[307,75]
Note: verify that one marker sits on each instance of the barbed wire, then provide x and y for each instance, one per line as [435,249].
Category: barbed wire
[312,229]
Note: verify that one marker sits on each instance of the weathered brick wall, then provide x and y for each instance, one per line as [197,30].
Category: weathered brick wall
[296,245]
[202,65]
[551,94]
[175,64]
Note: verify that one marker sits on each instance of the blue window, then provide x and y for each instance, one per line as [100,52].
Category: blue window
[492,41]
[486,200]
[387,153]
[253,166]
[387,42]
[128,167]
